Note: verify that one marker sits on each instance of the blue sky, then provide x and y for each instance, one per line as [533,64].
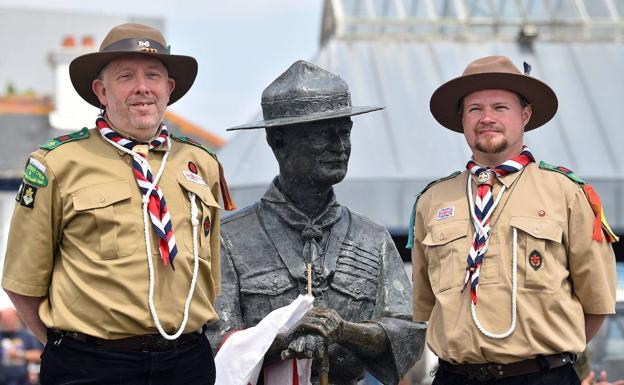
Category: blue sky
[241,46]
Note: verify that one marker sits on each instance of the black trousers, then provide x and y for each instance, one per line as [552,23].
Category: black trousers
[563,375]
[70,362]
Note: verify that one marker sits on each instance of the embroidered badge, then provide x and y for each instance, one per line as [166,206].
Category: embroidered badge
[206,226]
[445,212]
[192,168]
[541,213]
[536,260]
[28,196]
[195,178]
[34,173]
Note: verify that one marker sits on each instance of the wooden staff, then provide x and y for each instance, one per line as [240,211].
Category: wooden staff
[325,361]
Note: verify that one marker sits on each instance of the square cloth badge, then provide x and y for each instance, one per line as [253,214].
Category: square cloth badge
[445,212]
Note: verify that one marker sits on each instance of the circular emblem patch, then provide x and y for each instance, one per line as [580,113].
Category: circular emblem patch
[536,260]
[192,168]
[206,226]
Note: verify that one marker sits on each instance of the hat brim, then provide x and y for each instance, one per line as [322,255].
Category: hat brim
[84,69]
[287,121]
[444,103]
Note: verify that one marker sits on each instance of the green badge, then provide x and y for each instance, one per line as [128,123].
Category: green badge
[34,174]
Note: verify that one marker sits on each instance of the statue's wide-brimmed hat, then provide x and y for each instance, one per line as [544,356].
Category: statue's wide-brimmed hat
[132,39]
[492,72]
[305,93]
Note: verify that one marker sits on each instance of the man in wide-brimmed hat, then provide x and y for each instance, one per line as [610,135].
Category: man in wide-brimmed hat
[362,308]
[103,217]
[512,262]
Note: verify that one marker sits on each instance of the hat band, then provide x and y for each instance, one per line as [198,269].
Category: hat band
[136,45]
[305,106]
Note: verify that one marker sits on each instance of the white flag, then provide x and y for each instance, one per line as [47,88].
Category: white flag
[240,359]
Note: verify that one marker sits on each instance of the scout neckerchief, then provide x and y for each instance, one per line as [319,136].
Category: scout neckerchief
[157,206]
[481,211]
[154,203]
[311,228]
[483,208]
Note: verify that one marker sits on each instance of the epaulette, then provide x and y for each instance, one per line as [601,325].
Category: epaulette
[562,170]
[410,228]
[228,203]
[186,139]
[76,135]
[600,223]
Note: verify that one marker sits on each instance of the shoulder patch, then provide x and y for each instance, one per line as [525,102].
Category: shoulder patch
[76,135]
[186,139]
[35,173]
[410,228]
[562,170]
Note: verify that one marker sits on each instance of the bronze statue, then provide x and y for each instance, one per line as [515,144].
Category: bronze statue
[363,312]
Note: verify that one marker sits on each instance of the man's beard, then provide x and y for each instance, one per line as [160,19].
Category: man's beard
[487,146]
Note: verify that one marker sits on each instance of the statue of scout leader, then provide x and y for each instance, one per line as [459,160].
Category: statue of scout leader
[362,309]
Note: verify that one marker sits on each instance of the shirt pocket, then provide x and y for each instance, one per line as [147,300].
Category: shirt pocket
[355,281]
[110,206]
[446,248]
[539,243]
[265,292]
[207,208]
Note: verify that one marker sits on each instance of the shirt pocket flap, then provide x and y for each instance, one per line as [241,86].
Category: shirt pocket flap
[271,283]
[101,195]
[446,232]
[539,227]
[202,191]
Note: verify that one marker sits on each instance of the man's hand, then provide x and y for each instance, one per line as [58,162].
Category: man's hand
[322,321]
[306,346]
[589,380]
[319,328]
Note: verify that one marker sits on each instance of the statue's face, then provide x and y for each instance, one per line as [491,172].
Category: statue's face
[317,152]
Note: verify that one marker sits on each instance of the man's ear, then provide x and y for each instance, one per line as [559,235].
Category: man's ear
[171,83]
[100,91]
[526,115]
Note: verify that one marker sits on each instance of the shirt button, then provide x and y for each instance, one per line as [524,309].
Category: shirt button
[101,199]
[536,231]
[441,236]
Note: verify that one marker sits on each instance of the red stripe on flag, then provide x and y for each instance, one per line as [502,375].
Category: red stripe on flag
[295,373]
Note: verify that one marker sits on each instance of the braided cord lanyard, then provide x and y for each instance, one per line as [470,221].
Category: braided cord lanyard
[146,228]
[514,269]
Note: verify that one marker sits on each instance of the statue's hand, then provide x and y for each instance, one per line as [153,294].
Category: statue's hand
[324,322]
[305,346]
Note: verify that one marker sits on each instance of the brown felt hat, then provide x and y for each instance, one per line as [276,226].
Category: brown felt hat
[492,72]
[132,39]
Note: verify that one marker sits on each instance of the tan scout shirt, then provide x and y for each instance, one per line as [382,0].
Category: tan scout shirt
[552,216]
[82,244]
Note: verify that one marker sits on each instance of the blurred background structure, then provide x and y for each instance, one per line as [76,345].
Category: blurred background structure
[390,52]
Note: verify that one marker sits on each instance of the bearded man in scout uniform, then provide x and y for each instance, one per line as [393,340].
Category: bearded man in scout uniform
[512,262]
[362,299]
[120,266]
